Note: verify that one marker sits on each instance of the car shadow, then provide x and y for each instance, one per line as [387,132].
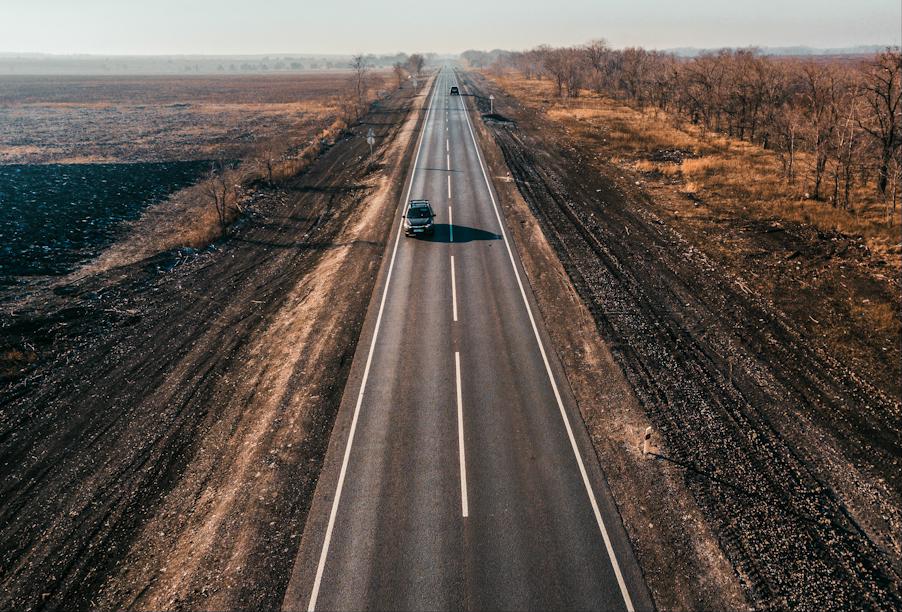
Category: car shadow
[461,233]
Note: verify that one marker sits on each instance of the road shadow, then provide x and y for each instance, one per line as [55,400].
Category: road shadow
[462,233]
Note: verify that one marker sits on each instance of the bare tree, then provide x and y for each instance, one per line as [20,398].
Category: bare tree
[360,81]
[554,63]
[416,62]
[821,88]
[597,53]
[883,92]
[219,189]
[400,73]
[265,157]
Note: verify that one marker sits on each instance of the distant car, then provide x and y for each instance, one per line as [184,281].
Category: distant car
[455,91]
[418,218]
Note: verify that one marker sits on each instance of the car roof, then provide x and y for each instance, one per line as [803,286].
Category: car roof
[419,204]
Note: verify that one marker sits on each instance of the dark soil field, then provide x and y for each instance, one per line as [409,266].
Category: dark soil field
[767,419]
[53,217]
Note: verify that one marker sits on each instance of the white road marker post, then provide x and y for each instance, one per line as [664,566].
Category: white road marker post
[371,140]
[492,103]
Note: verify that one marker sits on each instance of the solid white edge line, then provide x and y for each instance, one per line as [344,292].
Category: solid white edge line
[314,594]
[464,502]
[453,291]
[579,460]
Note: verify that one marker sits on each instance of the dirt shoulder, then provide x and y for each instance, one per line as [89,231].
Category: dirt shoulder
[776,480]
[162,452]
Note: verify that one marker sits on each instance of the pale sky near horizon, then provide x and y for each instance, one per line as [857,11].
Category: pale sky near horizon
[346,26]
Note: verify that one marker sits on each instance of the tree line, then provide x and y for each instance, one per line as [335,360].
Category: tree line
[843,111]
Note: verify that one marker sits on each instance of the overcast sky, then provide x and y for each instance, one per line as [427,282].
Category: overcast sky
[344,26]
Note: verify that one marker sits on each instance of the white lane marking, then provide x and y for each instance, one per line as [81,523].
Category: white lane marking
[464,503]
[450,226]
[448,160]
[366,373]
[447,145]
[557,396]
[453,291]
[449,186]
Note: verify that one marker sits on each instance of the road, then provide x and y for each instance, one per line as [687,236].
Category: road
[459,473]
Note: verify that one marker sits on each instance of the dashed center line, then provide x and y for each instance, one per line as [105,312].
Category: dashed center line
[450,226]
[449,186]
[464,503]
[453,291]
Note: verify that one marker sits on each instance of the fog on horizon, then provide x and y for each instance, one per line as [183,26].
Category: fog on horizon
[111,27]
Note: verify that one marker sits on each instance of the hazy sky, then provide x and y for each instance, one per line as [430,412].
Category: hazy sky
[343,26]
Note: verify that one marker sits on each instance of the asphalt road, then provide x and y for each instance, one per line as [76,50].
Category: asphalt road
[459,473]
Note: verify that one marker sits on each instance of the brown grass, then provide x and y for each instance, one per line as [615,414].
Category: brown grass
[727,174]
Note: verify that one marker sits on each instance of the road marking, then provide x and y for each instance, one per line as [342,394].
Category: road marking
[447,146]
[449,186]
[448,160]
[464,503]
[453,291]
[314,594]
[450,226]
[557,396]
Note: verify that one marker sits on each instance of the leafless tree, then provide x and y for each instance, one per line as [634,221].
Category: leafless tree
[566,67]
[416,62]
[821,89]
[265,156]
[597,53]
[220,191]
[400,72]
[883,94]
[360,69]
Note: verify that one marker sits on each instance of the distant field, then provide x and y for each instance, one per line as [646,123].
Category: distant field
[47,119]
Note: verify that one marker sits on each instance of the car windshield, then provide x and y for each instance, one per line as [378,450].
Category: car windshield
[418,213]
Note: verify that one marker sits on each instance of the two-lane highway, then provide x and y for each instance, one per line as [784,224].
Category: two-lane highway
[459,473]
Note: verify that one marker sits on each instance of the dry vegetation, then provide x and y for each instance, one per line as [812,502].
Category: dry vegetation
[724,172]
[715,174]
[819,142]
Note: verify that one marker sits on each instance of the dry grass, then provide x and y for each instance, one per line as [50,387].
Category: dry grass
[726,174]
